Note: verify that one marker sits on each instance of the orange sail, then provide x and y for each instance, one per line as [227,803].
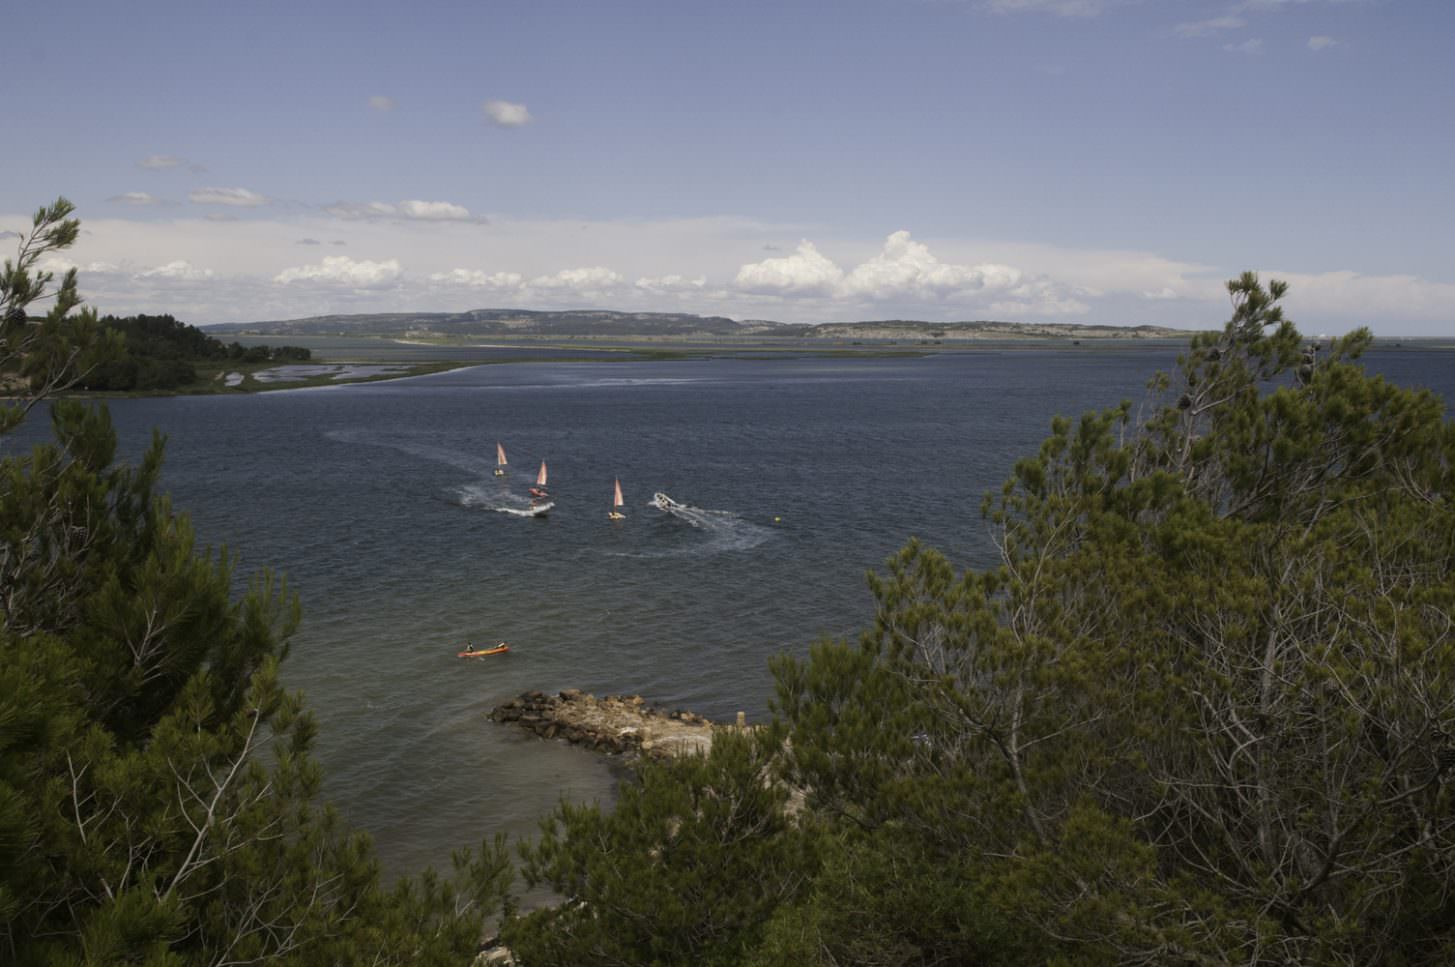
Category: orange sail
[541,477]
[618,502]
[500,455]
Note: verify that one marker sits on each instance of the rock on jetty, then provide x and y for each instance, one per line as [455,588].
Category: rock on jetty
[615,725]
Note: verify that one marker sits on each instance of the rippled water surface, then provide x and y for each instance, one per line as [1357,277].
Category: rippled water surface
[379,503]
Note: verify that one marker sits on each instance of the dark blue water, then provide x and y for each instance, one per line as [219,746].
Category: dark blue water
[379,504]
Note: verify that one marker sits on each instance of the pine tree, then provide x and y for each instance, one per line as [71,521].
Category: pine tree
[1198,711]
[158,803]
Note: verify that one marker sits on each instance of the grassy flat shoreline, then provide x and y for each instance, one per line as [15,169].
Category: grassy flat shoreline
[410,355]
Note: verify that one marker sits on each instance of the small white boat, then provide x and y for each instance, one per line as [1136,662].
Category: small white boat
[662,502]
[500,461]
[616,505]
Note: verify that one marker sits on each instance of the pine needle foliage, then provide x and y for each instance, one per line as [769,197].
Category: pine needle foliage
[158,801]
[1199,712]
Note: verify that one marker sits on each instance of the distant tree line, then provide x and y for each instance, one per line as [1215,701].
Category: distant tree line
[160,352]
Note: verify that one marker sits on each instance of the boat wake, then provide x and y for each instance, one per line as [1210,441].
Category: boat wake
[725,530]
[488,497]
[469,462]
[537,511]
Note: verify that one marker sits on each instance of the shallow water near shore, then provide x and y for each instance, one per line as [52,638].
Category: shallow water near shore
[379,503]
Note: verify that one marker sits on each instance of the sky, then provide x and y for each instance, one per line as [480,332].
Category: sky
[1082,161]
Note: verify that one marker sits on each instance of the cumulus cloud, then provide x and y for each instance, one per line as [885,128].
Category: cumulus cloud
[133,198]
[1345,293]
[434,211]
[236,197]
[477,279]
[506,114]
[1322,42]
[180,270]
[58,265]
[1201,28]
[1162,294]
[159,162]
[381,103]
[672,285]
[413,210]
[805,272]
[906,269]
[1061,8]
[903,270]
[591,279]
[342,270]
[1252,45]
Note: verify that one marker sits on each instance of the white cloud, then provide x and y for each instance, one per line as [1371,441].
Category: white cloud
[1322,42]
[1200,28]
[672,284]
[1370,298]
[433,211]
[805,272]
[592,279]
[903,270]
[477,279]
[906,269]
[506,114]
[159,162]
[1081,284]
[1061,8]
[236,197]
[59,265]
[1162,294]
[342,270]
[381,103]
[181,270]
[414,210]
[1252,45]
[133,198]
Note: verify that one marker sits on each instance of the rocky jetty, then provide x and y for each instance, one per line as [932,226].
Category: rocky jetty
[615,725]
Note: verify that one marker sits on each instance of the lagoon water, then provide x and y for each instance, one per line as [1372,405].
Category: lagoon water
[379,504]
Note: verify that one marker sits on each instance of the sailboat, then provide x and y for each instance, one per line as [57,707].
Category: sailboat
[500,461]
[616,504]
[539,492]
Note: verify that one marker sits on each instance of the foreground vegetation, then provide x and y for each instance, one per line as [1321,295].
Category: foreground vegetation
[1201,712]
[158,803]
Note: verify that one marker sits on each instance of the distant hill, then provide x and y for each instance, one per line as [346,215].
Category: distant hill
[515,322]
[610,324]
[916,329]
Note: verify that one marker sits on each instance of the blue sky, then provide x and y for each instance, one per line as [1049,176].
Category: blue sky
[1054,160]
